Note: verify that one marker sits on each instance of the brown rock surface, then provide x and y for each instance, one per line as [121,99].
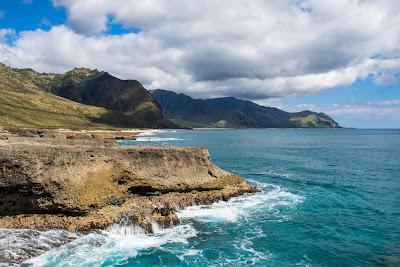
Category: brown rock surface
[99,135]
[86,184]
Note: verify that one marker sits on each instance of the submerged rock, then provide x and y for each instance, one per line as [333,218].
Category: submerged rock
[87,184]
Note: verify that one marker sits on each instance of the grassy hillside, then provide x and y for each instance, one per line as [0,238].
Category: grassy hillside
[81,98]
[23,104]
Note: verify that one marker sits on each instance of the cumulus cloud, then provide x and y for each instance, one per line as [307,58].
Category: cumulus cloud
[249,49]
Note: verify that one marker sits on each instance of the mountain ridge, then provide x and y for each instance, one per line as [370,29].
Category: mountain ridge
[232,112]
[90,98]
[93,98]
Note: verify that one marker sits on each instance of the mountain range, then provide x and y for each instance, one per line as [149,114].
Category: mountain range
[84,98]
[234,113]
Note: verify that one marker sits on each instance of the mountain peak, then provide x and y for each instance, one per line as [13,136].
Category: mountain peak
[83,72]
[112,101]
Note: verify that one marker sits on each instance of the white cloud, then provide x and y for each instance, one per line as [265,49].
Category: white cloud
[250,49]
[367,115]
[351,113]
[357,111]
[391,102]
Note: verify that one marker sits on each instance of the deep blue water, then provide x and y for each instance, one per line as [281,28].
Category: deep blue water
[330,198]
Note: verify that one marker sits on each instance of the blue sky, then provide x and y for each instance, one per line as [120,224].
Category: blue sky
[287,54]
[30,15]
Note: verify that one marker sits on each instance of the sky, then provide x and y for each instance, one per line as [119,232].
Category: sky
[340,57]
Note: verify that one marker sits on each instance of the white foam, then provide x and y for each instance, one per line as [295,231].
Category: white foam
[155,227]
[114,245]
[278,174]
[218,211]
[271,198]
[118,243]
[247,246]
[190,253]
[17,245]
[151,132]
[156,139]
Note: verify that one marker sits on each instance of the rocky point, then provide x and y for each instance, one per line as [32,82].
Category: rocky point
[52,180]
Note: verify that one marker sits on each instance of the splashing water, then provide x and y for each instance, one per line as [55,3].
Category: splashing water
[120,243]
[272,198]
[329,198]
[152,139]
[113,246]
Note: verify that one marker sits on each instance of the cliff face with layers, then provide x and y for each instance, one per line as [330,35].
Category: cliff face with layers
[86,184]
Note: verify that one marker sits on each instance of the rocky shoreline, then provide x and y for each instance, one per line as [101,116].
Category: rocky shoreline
[81,181]
[62,134]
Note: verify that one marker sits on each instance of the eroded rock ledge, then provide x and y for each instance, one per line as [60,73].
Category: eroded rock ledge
[87,184]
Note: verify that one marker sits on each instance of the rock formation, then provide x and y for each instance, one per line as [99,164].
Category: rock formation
[86,184]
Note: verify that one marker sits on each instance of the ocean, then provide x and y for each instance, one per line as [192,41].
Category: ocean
[330,197]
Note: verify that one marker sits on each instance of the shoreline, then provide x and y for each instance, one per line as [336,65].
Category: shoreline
[81,181]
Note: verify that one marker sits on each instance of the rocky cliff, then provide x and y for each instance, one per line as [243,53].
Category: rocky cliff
[86,184]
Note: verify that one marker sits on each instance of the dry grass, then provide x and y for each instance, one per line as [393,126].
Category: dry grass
[22,104]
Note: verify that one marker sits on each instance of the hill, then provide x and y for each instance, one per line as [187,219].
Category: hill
[85,98]
[80,98]
[235,113]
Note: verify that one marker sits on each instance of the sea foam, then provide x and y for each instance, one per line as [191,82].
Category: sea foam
[156,139]
[114,245]
[270,198]
[17,245]
[121,242]
[153,136]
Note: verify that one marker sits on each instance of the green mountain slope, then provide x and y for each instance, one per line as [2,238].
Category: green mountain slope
[235,113]
[81,98]
[23,104]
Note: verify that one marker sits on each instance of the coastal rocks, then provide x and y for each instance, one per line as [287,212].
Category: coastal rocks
[86,184]
[3,134]
[99,135]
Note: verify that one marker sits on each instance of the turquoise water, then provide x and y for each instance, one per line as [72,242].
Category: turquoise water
[329,198]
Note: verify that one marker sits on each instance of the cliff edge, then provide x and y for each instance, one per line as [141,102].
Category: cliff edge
[90,184]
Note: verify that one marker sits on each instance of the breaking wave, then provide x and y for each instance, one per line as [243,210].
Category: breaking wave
[113,246]
[271,198]
[122,243]
[156,139]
